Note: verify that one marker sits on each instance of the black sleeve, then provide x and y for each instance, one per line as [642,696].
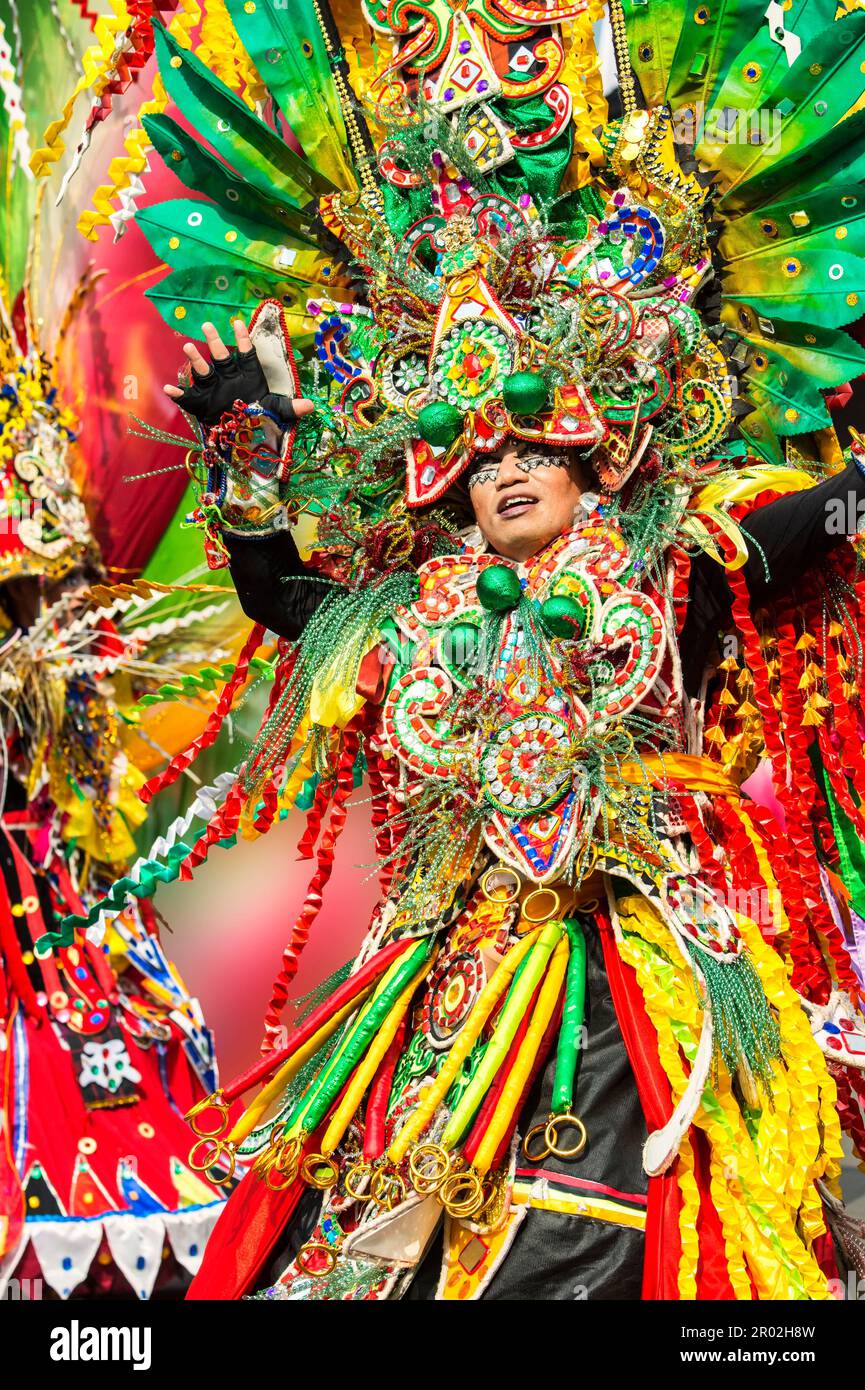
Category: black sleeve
[797,531]
[272,584]
[791,535]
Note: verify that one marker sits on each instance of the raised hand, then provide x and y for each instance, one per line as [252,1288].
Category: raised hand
[231,374]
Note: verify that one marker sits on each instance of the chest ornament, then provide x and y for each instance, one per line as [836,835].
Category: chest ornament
[516,683]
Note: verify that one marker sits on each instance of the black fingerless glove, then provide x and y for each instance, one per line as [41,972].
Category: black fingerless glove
[236,377]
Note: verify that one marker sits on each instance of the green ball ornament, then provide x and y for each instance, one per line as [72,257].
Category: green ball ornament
[461,644]
[525,393]
[562,617]
[439,423]
[498,588]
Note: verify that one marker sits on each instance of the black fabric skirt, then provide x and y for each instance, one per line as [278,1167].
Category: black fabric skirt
[559,1256]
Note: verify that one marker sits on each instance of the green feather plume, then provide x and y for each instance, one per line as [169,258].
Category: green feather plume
[287,46]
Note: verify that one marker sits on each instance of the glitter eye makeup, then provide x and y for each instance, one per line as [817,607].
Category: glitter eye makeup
[533,461]
[483,475]
[528,464]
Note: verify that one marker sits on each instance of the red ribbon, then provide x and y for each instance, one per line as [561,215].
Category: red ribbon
[213,727]
[379,1095]
[312,904]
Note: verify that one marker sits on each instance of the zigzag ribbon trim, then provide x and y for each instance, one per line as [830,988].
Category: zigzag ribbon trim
[86,13]
[205,679]
[107,594]
[183,760]
[125,171]
[98,64]
[145,873]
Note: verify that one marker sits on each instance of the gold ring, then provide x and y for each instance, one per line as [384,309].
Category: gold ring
[311,1171]
[567,1121]
[312,1248]
[221,1153]
[387,1189]
[283,1158]
[489,1190]
[354,1177]
[451,1198]
[287,1153]
[490,894]
[494,403]
[429,1165]
[462,283]
[411,405]
[277,1179]
[541,916]
[214,1102]
[536,1157]
[531,427]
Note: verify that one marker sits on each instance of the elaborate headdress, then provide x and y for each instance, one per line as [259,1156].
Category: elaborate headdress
[475,251]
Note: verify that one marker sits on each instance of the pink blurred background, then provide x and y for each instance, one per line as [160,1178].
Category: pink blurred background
[230,924]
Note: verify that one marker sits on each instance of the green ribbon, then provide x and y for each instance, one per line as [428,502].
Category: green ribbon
[514,1008]
[150,873]
[572,1020]
[312,1107]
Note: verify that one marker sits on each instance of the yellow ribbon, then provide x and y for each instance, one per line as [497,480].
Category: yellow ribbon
[691,771]
[435,1094]
[521,1070]
[725,492]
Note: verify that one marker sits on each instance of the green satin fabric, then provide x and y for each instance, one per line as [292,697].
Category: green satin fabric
[572,1020]
[851,852]
[539,172]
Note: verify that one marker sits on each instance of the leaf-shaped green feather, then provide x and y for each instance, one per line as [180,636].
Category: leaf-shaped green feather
[757,432]
[824,286]
[827,356]
[790,364]
[204,173]
[805,100]
[187,234]
[786,418]
[833,214]
[220,294]
[710,34]
[653,31]
[744,74]
[836,156]
[287,46]
[235,132]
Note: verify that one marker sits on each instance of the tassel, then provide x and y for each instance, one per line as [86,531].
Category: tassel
[744,1025]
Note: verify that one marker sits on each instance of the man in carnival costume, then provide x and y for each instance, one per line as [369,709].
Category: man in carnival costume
[603,1032]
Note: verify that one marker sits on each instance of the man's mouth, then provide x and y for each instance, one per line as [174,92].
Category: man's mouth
[516,505]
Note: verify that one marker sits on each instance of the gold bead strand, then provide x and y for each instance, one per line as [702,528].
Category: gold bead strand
[347,103]
[623,58]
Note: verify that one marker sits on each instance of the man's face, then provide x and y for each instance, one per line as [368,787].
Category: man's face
[523,498]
